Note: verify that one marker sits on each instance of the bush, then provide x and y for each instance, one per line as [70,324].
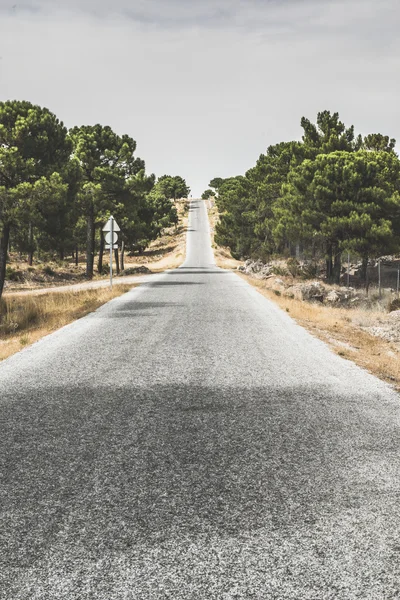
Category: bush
[135,270]
[276,270]
[309,271]
[48,270]
[293,266]
[14,275]
[394,305]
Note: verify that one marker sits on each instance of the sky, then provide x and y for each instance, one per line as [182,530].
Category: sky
[204,86]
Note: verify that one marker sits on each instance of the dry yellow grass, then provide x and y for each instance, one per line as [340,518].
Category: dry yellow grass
[24,319]
[342,329]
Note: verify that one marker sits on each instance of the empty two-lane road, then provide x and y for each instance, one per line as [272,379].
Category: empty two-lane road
[190,441]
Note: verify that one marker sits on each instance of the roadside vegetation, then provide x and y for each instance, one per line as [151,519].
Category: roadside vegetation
[25,318]
[58,187]
[330,194]
[359,325]
[28,311]
[166,252]
[315,227]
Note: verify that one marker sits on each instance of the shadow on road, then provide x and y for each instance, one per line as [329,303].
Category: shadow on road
[102,474]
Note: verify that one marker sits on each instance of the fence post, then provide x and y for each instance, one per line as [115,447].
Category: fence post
[348,269]
[398,279]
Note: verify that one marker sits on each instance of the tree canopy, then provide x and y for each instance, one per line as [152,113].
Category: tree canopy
[58,187]
[173,187]
[331,191]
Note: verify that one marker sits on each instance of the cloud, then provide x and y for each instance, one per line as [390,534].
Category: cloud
[204,87]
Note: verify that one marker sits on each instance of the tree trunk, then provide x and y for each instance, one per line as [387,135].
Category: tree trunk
[364,269]
[116,255]
[337,266]
[77,256]
[90,233]
[101,252]
[30,244]
[61,253]
[329,264]
[123,256]
[5,236]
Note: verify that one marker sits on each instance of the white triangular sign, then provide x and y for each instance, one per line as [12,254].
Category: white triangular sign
[107,226]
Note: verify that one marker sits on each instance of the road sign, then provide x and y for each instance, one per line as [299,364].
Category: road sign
[111,237]
[107,237]
[111,225]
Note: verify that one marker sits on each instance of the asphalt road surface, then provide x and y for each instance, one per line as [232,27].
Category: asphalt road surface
[190,441]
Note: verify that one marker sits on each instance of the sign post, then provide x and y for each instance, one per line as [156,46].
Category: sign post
[111,238]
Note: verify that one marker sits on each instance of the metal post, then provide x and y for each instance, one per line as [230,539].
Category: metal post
[348,269]
[111,250]
[379,277]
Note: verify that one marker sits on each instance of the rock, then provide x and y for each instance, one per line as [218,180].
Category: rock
[256,268]
[312,291]
[279,282]
[333,297]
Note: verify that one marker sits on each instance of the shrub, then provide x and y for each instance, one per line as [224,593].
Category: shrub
[276,270]
[48,270]
[293,266]
[309,271]
[394,305]
[14,275]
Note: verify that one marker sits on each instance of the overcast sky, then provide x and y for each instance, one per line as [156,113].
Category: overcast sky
[205,86]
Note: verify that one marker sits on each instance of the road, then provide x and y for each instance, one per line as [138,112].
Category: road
[190,441]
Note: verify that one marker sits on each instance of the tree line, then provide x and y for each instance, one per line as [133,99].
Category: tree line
[329,193]
[58,187]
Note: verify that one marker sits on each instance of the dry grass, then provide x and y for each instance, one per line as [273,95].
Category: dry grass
[342,329]
[25,319]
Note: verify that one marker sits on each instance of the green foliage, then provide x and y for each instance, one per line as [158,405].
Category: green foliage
[238,217]
[331,192]
[57,188]
[379,143]
[207,194]
[33,146]
[348,200]
[216,183]
[173,187]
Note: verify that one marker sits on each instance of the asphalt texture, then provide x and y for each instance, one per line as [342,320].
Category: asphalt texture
[190,441]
